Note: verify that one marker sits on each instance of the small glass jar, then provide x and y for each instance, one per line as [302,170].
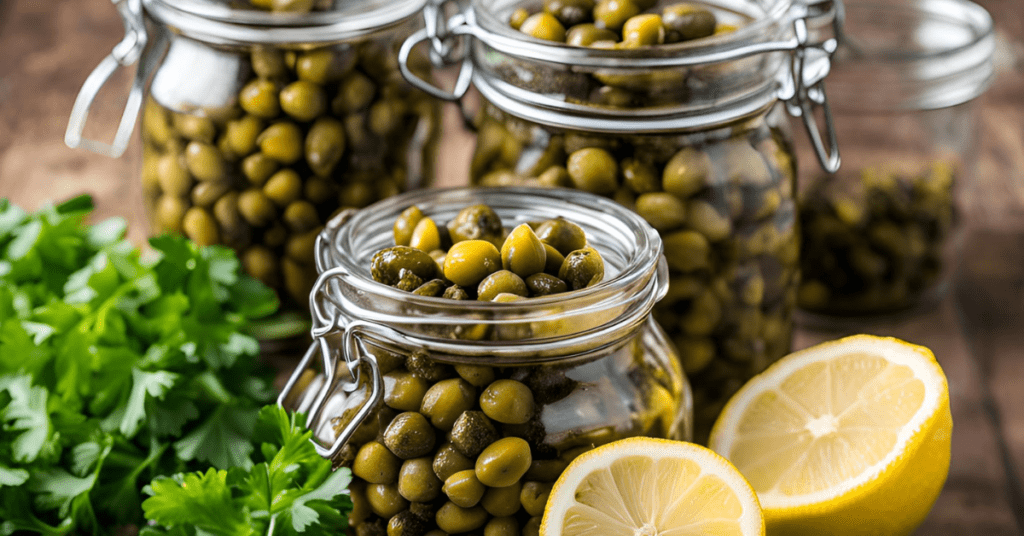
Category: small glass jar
[591,366]
[693,137]
[259,126]
[881,236]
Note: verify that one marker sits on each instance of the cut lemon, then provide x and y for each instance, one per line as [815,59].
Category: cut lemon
[651,487]
[850,437]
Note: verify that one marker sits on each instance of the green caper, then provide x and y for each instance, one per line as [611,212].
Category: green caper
[258,168]
[403,391]
[421,365]
[546,470]
[472,432]
[570,12]
[433,288]
[523,252]
[425,236]
[323,65]
[503,462]
[563,235]
[501,282]
[200,227]
[318,190]
[684,22]
[355,93]
[507,401]
[408,281]
[643,31]
[664,211]
[502,526]
[384,499]
[464,488]
[173,175]
[242,133]
[476,375]
[468,262]
[417,482]
[303,100]
[554,259]
[300,216]
[640,177]
[281,142]
[407,523]
[534,496]
[582,268]
[455,292]
[454,519]
[387,263]
[696,353]
[593,170]
[261,263]
[476,222]
[686,250]
[502,502]
[545,284]
[543,26]
[555,177]
[445,401]
[584,35]
[405,224]
[613,14]
[259,98]
[325,145]
[686,173]
[255,207]
[376,464]
[205,162]
[283,187]
[409,436]
[449,461]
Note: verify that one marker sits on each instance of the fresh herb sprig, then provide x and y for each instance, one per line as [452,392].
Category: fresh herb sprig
[117,367]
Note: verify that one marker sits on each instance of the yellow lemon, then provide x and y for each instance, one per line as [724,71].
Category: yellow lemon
[651,487]
[850,437]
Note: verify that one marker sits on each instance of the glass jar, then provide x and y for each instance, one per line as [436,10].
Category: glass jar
[881,236]
[594,363]
[693,137]
[259,126]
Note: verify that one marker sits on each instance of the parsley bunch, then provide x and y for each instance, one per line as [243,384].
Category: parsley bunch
[116,367]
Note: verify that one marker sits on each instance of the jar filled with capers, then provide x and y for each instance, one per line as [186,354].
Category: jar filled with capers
[880,237]
[261,119]
[472,342]
[673,109]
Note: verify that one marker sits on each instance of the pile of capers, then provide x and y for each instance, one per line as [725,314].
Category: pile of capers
[726,213]
[311,131]
[617,24]
[874,242]
[473,256]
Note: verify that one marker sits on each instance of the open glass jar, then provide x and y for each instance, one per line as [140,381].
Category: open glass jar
[881,236]
[691,135]
[259,126]
[594,363]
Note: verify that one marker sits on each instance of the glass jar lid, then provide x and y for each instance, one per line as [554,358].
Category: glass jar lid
[912,55]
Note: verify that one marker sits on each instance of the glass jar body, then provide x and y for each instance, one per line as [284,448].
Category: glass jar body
[723,202]
[255,146]
[541,380]
[882,235]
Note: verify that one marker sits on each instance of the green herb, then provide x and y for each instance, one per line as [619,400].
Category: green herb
[116,367]
[292,491]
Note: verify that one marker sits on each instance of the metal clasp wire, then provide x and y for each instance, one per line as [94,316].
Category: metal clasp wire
[125,54]
[443,34]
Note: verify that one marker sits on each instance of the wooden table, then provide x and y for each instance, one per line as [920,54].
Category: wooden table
[47,49]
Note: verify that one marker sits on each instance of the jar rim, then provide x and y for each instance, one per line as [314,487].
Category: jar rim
[217,23]
[618,304]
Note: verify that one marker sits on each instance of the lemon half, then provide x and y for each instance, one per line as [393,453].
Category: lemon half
[850,437]
[651,487]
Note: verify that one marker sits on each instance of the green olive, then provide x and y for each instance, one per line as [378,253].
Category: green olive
[194,127]
[387,263]
[445,401]
[205,162]
[376,464]
[454,519]
[703,217]
[532,527]
[534,496]
[584,35]
[325,145]
[475,222]
[613,14]
[554,260]
[545,284]
[664,211]
[433,288]
[643,31]
[516,19]
[205,194]
[268,62]
[173,176]
[407,523]
[301,246]
[200,227]
[283,187]
[405,224]
[686,250]
[255,207]
[258,168]
[260,98]
[425,236]
[303,100]
[543,26]
[476,375]
[417,482]
[684,22]
[593,170]
[686,173]
[563,235]
[468,262]
[523,252]
[242,133]
[464,489]
[546,470]
[324,65]
[403,391]
[570,12]
[503,462]
[502,526]
[582,268]
[449,461]
[384,499]
[501,282]
[282,142]
[355,93]
[410,436]
[473,432]
[507,401]
[300,216]
[502,502]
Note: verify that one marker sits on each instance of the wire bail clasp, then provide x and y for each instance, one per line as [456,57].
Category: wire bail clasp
[803,90]
[125,54]
[444,34]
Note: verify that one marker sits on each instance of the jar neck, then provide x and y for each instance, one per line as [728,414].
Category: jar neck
[556,327]
[218,24]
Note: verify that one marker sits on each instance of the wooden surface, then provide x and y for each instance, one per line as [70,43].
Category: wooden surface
[49,48]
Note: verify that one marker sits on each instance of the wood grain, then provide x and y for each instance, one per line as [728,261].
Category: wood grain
[50,47]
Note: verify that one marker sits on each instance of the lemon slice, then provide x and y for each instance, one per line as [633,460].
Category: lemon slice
[651,487]
[848,437]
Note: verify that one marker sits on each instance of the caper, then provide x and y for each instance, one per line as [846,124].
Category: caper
[205,162]
[455,292]
[643,31]
[664,211]
[518,16]
[468,262]
[405,224]
[503,462]
[303,100]
[325,145]
[543,26]
[255,207]
[613,14]
[376,464]
[300,216]
[194,127]
[258,168]
[454,519]
[501,282]
[464,488]
[476,375]
[502,526]
[261,263]
[449,461]
[259,98]
[502,502]
[534,496]
[545,284]
[507,401]
[384,499]
[523,252]
[686,250]
[407,523]
[173,175]
[433,288]
[584,35]
[323,65]
[582,268]
[570,12]
[563,235]
[545,470]
[301,246]
[403,391]
[268,62]
[686,173]
[409,436]
[283,187]
[281,142]
[417,482]
[425,236]
[355,93]
[387,263]
[554,259]
[593,170]
[472,432]
[684,22]
[445,401]
[476,222]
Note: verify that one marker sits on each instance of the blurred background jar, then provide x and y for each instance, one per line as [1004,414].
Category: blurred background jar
[262,119]
[881,235]
[673,110]
[420,389]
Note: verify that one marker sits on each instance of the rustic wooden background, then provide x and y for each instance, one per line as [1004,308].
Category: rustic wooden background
[48,48]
